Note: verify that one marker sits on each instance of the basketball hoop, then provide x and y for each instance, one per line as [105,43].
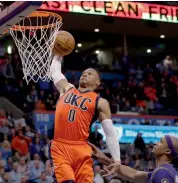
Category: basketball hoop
[34,37]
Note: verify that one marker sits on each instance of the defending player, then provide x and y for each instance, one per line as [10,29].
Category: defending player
[165,151]
[70,152]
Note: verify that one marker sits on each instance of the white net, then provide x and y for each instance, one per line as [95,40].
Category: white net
[35,43]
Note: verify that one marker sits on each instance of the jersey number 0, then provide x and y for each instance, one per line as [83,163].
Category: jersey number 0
[71,116]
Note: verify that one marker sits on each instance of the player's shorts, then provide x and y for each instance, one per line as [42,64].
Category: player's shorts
[71,161]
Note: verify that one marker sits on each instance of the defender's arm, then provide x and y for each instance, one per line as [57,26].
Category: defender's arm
[126,173]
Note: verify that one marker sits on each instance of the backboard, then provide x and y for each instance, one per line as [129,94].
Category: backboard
[13,12]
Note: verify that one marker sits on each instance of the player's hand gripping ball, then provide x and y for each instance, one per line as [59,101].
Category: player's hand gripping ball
[64,43]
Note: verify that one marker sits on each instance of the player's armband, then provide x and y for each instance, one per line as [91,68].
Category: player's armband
[111,139]
[55,69]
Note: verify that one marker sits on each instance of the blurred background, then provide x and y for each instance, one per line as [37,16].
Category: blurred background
[134,46]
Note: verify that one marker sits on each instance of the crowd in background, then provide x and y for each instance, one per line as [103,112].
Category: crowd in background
[24,153]
[145,89]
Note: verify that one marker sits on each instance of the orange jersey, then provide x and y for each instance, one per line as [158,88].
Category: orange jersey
[74,114]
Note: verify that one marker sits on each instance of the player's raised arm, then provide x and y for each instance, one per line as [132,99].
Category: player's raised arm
[59,79]
[110,132]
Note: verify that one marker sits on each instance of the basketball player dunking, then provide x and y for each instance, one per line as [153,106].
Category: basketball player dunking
[69,150]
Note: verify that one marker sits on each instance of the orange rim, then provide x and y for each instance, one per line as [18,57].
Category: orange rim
[38,14]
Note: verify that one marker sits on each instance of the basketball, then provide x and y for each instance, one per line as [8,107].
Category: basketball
[64,43]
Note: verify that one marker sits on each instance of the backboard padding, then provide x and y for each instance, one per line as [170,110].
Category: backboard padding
[15,13]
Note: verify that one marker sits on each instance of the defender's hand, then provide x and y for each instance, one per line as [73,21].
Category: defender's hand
[111,169]
[99,155]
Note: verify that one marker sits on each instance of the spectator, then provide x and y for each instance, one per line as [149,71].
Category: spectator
[22,169]
[126,106]
[35,172]
[20,143]
[2,116]
[98,178]
[131,150]
[28,132]
[8,70]
[139,142]
[163,93]
[137,165]
[32,163]
[150,106]
[42,96]
[147,71]
[16,157]
[23,179]
[37,148]
[139,74]
[55,96]
[20,123]
[9,164]
[11,134]
[46,148]
[34,91]
[49,174]
[6,150]
[10,120]
[50,104]
[150,92]
[3,124]
[95,136]
[4,129]
[3,161]
[14,175]
[167,62]
[31,99]
[43,178]
[6,178]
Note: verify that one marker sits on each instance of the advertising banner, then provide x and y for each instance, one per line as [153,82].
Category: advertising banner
[127,126]
[123,9]
[127,133]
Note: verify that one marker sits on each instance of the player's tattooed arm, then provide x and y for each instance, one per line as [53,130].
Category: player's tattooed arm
[60,81]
